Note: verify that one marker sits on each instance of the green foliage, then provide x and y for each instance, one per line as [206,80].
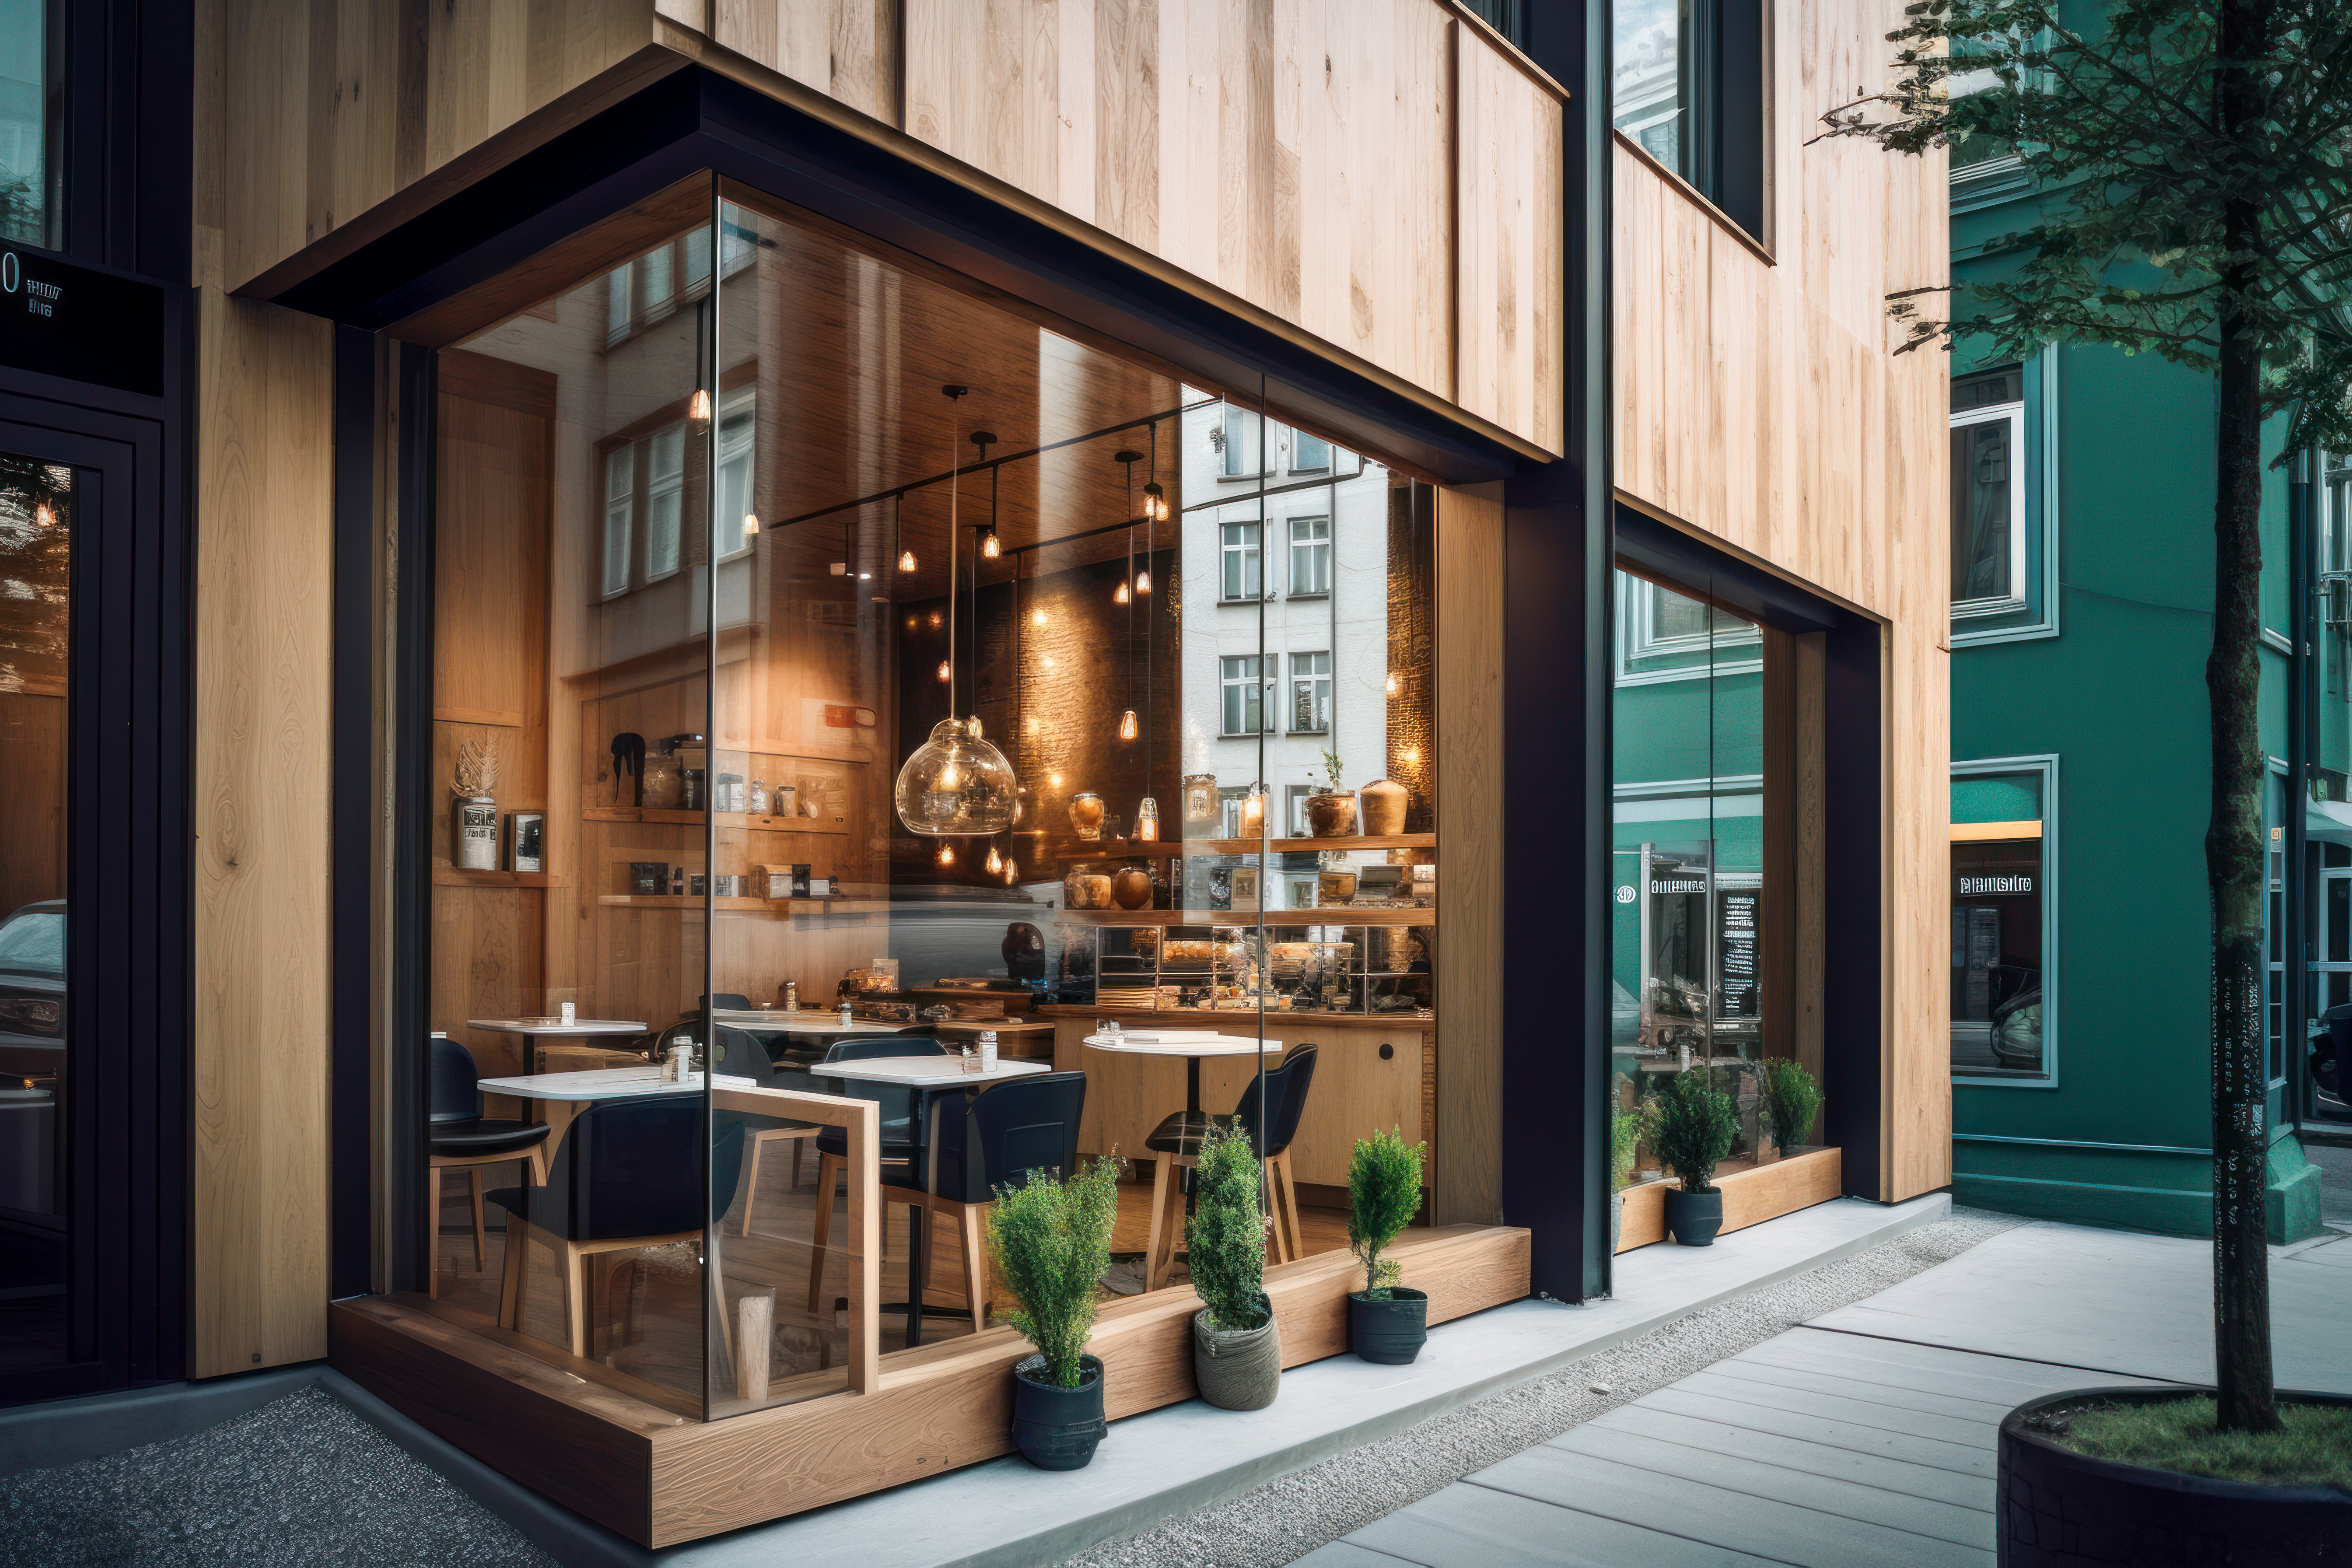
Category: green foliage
[1226,1235]
[1052,1243]
[1626,1131]
[1694,1129]
[2314,1449]
[2189,181]
[1383,1194]
[1791,1099]
[1334,770]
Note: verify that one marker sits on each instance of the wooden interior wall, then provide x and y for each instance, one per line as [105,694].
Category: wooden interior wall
[1759,403]
[263,639]
[33,828]
[1467,1188]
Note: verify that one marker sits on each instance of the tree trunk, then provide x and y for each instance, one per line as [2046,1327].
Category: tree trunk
[2233,834]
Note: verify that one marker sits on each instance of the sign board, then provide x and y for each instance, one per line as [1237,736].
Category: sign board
[57,318]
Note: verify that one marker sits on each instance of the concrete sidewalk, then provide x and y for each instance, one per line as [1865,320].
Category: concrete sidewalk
[1866,1436]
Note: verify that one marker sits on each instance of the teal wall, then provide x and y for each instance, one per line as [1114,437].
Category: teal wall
[2120,697]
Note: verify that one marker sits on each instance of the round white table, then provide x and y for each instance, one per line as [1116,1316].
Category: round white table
[537,1031]
[1191,1046]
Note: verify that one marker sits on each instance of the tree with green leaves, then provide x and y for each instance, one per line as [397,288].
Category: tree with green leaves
[2192,158]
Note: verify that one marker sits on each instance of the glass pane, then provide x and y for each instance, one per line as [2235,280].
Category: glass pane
[37,522]
[28,150]
[1982,520]
[1653,39]
[1997,954]
[569,860]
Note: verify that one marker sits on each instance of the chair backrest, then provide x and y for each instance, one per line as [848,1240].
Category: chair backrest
[637,1167]
[898,1104]
[740,1054]
[725,999]
[453,1097]
[1007,1131]
[1298,1072]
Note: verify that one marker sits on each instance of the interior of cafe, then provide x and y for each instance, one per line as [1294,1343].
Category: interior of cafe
[847,683]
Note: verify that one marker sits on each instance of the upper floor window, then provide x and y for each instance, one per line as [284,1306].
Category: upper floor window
[619,517]
[640,293]
[1309,454]
[737,518]
[1242,577]
[665,501]
[1246,694]
[1663,634]
[1233,435]
[1310,556]
[1988,546]
[1689,92]
[32,103]
[1310,694]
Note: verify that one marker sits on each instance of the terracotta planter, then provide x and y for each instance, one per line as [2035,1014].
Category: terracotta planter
[1381,805]
[1331,814]
[1088,890]
[1131,886]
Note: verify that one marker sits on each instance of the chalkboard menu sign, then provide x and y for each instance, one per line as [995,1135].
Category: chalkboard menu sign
[1741,996]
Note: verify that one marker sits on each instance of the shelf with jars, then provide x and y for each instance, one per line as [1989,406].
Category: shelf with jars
[1320,915]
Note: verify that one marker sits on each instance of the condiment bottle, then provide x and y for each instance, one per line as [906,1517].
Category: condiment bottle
[987,1050]
[681,1064]
[791,995]
[847,1017]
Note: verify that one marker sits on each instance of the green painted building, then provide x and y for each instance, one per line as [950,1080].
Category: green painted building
[2082,556]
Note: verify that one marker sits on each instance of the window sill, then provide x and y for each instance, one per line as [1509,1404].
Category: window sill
[1323,595]
[1267,599]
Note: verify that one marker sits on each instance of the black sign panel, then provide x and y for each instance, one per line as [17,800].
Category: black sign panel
[1742,996]
[60,319]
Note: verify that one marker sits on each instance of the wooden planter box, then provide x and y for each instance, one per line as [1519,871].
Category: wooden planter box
[1749,1197]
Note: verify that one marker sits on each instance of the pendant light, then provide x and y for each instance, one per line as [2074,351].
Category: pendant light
[1151,501]
[1155,499]
[954,783]
[1127,726]
[995,861]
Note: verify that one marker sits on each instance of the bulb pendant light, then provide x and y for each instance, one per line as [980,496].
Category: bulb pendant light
[947,855]
[988,548]
[946,671]
[1143,581]
[906,560]
[995,861]
[1118,596]
[1126,725]
[699,410]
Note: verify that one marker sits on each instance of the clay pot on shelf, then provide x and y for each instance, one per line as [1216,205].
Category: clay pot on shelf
[1089,891]
[1131,887]
[1331,814]
[1381,804]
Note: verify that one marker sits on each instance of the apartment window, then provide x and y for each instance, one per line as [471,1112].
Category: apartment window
[1663,634]
[1689,92]
[1242,577]
[643,292]
[620,516]
[1310,694]
[1246,694]
[1988,494]
[2004,865]
[1310,556]
[1233,444]
[736,507]
[665,500]
[1293,813]
[1309,454]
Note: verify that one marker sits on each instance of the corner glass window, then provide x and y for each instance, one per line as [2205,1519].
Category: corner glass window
[2000,899]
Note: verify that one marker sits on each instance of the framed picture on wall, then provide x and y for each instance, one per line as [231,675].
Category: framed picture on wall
[526,841]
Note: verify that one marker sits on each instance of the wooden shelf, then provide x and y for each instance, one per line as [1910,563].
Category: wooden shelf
[1331,915]
[774,907]
[1295,845]
[445,876]
[1119,850]
[725,820]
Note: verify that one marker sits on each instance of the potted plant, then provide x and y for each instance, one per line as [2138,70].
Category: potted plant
[1693,1131]
[1387,1322]
[1791,1097]
[1237,1344]
[1051,1239]
[1626,1131]
[1331,812]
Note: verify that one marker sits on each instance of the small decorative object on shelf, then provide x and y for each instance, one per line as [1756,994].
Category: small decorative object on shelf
[785,802]
[1335,887]
[1131,887]
[648,878]
[1381,804]
[1253,813]
[1331,812]
[1087,814]
[1200,799]
[527,841]
[1086,891]
[1147,821]
[475,814]
[663,785]
[757,805]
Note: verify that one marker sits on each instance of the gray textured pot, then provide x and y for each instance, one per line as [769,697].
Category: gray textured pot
[1616,1219]
[1240,1370]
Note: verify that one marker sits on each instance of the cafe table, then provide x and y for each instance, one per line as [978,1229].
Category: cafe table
[536,1032]
[927,1075]
[1193,1044]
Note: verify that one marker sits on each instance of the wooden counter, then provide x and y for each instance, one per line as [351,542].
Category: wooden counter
[1373,1073]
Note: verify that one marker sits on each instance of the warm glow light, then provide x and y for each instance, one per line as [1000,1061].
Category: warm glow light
[1037,618]
[1011,873]
[988,545]
[1126,725]
[1410,754]
[935,620]
[947,670]
[1147,829]
[995,861]
[971,727]
[45,516]
[906,560]
[1119,597]
[699,409]
[1143,582]
[1049,661]
[752,525]
[1053,780]
[949,779]
[947,854]
[911,619]
[1394,683]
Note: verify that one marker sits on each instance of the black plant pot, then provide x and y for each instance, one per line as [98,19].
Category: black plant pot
[1390,1331]
[2059,1508]
[1695,1217]
[1057,1428]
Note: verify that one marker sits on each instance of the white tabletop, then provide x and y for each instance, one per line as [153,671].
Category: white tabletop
[603,1083]
[533,1027]
[1168,1043]
[807,1021]
[926,1072]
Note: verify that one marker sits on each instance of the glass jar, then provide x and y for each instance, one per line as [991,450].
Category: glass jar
[1147,821]
[1199,798]
[1253,813]
[1087,814]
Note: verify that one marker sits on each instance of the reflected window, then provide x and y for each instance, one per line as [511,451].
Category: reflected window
[1245,694]
[1988,527]
[1310,556]
[738,516]
[665,501]
[1309,454]
[1310,694]
[2001,924]
[31,115]
[1242,579]
[620,516]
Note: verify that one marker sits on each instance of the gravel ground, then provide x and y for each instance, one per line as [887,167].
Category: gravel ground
[1286,1519]
[302,1480]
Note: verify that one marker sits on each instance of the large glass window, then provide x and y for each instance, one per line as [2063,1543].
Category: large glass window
[1689,92]
[31,101]
[2000,925]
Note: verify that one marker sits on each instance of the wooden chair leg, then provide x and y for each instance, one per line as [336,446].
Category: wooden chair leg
[510,1293]
[717,1275]
[751,1182]
[433,1259]
[473,1180]
[576,1297]
[975,1266]
[1289,1201]
[539,1164]
[827,1165]
[799,1144]
[1160,1251]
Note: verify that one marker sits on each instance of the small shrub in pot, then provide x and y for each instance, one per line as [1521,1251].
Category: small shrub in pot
[1387,1322]
[1052,1243]
[1695,1128]
[1791,1100]
[1237,1344]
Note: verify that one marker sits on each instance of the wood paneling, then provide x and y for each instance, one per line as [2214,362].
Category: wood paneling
[1511,288]
[1759,405]
[661,1481]
[33,828]
[1749,1197]
[264,557]
[1467,1187]
[846,49]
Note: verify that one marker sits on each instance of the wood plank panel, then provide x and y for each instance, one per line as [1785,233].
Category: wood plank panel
[264,635]
[1467,1186]
[1508,262]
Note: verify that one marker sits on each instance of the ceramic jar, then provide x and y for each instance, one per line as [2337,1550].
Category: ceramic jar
[1091,891]
[1332,813]
[1334,887]
[1381,805]
[662,785]
[475,821]
[1087,814]
[1131,887]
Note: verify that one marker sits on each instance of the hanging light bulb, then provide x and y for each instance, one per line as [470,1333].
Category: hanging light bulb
[1119,596]
[1155,502]
[1011,873]
[1143,581]
[1126,725]
[988,548]
[699,410]
[45,516]
[947,670]
[906,560]
[995,861]
[947,855]
[750,524]
[1037,617]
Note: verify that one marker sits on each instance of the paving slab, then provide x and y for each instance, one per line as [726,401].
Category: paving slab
[2114,1303]
[1466,1526]
[1872,1469]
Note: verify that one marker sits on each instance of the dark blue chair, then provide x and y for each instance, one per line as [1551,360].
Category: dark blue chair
[1269,1109]
[636,1179]
[999,1138]
[461,1138]
[897,1116]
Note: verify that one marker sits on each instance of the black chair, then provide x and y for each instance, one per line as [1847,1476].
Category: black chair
[735,999]
[897,1116]
[998,1138]
[635,1169]
[740,1054]
[461,1138]
[1178,1138]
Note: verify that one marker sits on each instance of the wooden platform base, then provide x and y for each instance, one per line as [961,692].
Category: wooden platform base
[1750,1196]
[641,1469]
